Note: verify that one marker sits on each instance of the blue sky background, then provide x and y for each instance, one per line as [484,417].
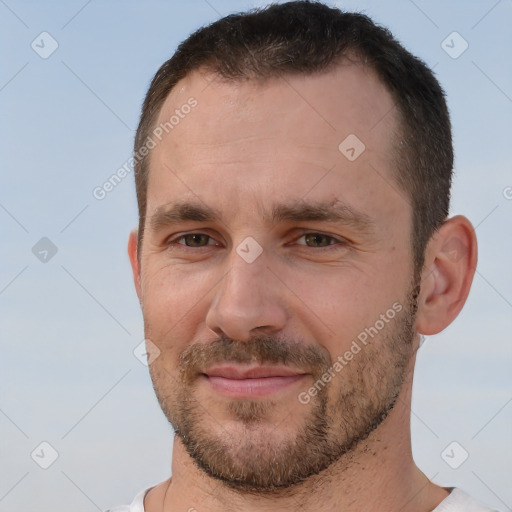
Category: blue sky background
[69,326]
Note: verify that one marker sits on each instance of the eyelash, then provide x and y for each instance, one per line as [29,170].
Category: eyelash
[338,242]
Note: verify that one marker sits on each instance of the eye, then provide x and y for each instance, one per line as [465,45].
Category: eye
[311,239]
[192,240]
[319,240]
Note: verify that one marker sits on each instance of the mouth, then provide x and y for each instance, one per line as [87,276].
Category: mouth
[242,382]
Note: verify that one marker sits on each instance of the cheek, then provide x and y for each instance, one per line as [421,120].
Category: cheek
[344,302]
[173,301]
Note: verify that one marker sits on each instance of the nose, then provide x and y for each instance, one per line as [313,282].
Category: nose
[249,298]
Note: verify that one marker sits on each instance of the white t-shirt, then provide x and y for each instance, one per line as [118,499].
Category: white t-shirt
[457,501]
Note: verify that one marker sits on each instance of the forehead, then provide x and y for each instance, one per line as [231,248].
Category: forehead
[349,96]
[276,136]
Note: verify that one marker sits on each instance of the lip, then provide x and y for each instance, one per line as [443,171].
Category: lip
[255,372]
[239,382]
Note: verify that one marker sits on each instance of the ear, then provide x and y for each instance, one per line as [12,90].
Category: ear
[135,263]
[450,264]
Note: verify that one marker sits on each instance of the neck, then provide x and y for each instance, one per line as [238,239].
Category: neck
[379,474]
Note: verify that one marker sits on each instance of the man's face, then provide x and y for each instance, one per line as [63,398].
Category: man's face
[321,305]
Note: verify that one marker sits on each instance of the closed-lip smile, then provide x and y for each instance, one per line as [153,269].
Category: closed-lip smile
[242,381]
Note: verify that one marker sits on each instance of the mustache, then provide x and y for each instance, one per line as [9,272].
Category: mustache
[265,349]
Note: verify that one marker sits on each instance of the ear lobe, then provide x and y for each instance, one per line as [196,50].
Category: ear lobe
[450,263]
[134,262]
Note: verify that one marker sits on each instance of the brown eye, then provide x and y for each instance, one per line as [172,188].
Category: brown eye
[318,240]
[194,240]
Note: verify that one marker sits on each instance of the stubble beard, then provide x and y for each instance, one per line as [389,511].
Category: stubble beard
[254,457]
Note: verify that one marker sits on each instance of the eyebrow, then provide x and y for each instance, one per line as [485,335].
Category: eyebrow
[296,211]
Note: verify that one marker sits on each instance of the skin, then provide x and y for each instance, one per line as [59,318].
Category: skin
[243,148]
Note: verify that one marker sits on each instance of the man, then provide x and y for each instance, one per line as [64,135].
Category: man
[293,171]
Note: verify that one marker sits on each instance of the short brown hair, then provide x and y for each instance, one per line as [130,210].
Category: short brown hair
[303,37]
